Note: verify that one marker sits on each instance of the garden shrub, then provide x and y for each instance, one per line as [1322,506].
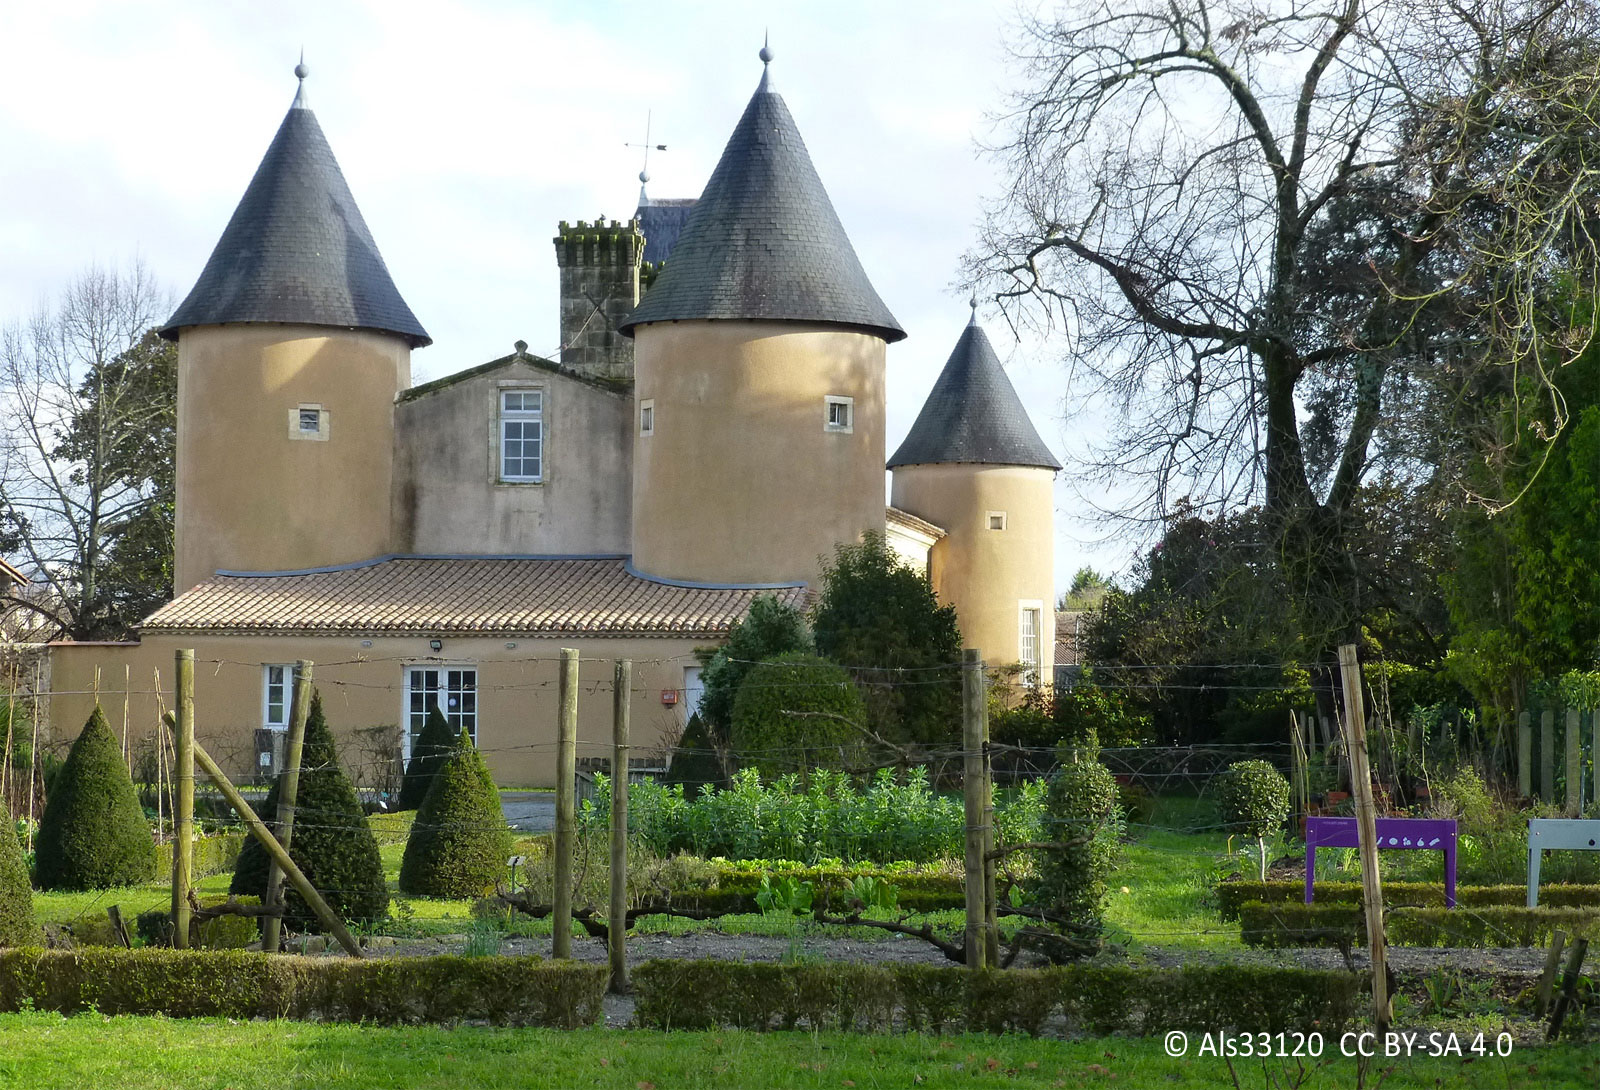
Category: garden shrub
[769,629]
[1230,895]
[694,762]
[211,854]
[506,991]
[332,844]
[796,712]
[1290,924]
[93,834]
[428,754]
[1254,799]
[1081,814]
[17,924]
[674,994]
[459,842]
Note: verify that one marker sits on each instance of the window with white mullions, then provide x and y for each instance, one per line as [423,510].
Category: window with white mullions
[1029,642]
[522,436]
[453,688]
[277,694]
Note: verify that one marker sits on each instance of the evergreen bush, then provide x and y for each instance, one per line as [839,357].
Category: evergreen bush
[17,924]
[1254,799]
[769,629]
[797,712]
[332,842]
[93,834]
[694,762]
[459,841]
[428,754]
[1083,817]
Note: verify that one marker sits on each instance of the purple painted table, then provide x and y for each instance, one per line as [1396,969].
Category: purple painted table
[1413,833]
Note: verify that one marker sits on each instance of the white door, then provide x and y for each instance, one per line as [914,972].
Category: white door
[692,691]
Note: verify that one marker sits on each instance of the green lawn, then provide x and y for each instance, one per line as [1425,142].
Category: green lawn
[43,1051]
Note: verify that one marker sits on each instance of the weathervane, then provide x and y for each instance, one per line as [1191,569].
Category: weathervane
[644,170]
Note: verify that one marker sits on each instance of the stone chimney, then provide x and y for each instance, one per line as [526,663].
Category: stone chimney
[599,265]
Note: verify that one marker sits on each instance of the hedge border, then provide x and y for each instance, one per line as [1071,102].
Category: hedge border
[1291,924]
[707,994]
[1230,895]
[214,854]
[503,991]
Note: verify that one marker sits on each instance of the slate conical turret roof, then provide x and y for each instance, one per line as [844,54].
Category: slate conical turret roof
[973,414]
[763,242]
[297,249]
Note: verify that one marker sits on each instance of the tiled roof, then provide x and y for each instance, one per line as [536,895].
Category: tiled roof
[894,516]
[1069,623]
[498,596]
[297,249]
[763,242]
[973,414]
[661,222]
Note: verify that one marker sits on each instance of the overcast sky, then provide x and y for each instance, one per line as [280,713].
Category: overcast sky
[468,129]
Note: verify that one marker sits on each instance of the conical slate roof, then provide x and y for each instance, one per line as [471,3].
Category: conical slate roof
[973,414]
[297,249]
[763,242]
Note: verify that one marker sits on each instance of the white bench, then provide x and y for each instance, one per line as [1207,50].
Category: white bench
[1557,835]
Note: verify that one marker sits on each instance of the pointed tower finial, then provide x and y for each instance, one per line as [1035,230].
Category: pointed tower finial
[301,72]
[766,56]
[973,303]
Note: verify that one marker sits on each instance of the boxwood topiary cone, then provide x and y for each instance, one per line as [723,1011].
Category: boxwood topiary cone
[17,925]
[459,842]
[432,749]
[93,834]
[332,842]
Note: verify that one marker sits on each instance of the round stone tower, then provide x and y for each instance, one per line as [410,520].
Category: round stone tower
[759,374]
[291,348]
[974,465]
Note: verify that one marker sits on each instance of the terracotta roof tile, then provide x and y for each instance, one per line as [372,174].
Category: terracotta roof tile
[511,596]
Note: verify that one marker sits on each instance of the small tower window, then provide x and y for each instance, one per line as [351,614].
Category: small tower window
[522,436]
[997,520]
[647,416]
[841,415]
[308,422]
[1028,642]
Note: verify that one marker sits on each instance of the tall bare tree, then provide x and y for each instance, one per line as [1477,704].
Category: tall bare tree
[88,399]
[1288,239]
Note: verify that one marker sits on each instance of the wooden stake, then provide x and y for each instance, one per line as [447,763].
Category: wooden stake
[183,811]
[1547,755]
[566,774]
[1524,755]
[1297,768]
[33,765]
[1574,739]
[1547,979]
[1366,830]
[264,837]
[127,684]
[1569,988]
[991,924]
[972,791]
[617,914]
[289,782]
[119,927]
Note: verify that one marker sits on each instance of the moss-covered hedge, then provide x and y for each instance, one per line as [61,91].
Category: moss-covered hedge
[520,991]
[1297,924]
[214,854]
[884,998]
[1230,895]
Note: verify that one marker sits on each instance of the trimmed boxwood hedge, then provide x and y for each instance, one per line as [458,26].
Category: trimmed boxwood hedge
[17,924]
[1230,895]
[885,998]
[504,991]
[1298,924]
[214,854]
[459,842]
[93,833]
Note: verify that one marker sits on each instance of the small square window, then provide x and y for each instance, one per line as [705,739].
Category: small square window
[840,414]
[997,520]
[308,422]
[647,417]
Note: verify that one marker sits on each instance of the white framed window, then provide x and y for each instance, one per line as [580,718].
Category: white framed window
[277,694]
[453,688]
[997,520]
[522,436]
[839,413]
[1030,635]
[694,691]
[309,421]
[647,416]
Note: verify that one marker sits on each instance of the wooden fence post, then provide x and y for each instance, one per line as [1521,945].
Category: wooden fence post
[1547,755]
[617,915]
[1299,793]
[991,911]
[566,774]
[1366,829]
[183,811]
[1524,755]
[1574,740]
[972,792]
[288,795]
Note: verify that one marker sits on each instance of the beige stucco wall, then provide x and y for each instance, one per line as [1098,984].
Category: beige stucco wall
[448,494]
[740,482]
[248,496]
[986,574]
[364,687]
